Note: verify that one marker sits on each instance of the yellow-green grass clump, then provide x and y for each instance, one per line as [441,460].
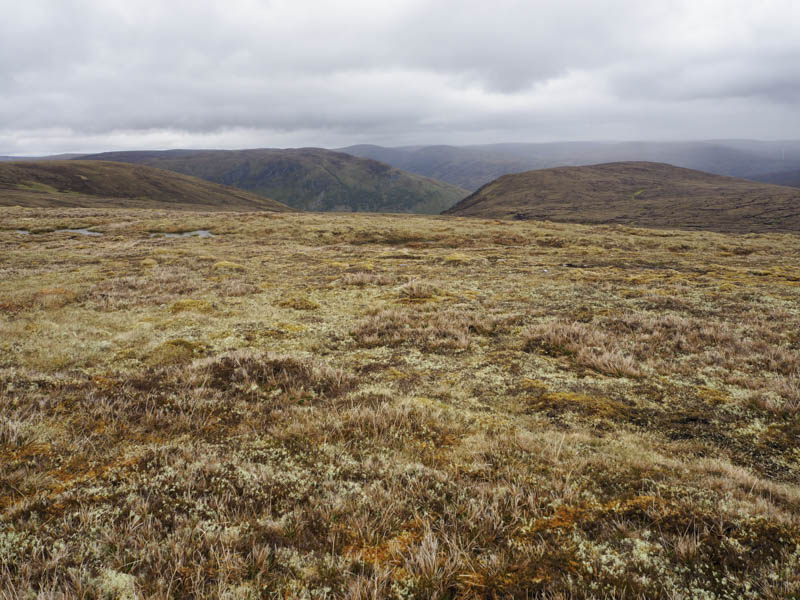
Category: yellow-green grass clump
[298,302]
[176,351]
[191,305]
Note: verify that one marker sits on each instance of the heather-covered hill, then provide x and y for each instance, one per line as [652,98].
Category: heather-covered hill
[71,183]
[637,193]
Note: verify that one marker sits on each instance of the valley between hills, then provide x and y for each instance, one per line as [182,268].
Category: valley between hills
[310,179]
[326,405]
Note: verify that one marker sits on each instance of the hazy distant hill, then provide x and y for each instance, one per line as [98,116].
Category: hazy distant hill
[307,178]
[473,166]
[109,184]
[37,158]
[637,193]
[790,178]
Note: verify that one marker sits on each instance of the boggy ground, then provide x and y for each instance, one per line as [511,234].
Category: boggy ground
[356,406]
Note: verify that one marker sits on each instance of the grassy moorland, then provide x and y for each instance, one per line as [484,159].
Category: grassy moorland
[361,406]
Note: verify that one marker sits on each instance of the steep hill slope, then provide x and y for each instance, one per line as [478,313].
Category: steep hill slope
[308,178]
[473,166]
[109,184]
[637,193]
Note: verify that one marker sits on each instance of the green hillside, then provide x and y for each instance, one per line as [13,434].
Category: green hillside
[637,193]
[110,184]
[308,178]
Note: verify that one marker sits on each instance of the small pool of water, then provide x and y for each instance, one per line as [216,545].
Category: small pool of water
[203,233]
[22,231]
[81,231]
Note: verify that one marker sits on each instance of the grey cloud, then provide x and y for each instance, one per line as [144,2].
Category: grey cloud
[113,72]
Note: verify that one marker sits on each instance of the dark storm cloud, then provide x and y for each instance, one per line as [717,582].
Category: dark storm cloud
[92,75]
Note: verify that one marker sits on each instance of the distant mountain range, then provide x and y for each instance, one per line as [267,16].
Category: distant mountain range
[431,179]
[637,193]
[473,166]
[69,183]
[307,178]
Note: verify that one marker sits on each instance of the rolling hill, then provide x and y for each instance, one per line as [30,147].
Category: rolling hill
[637,193]
[307,178]
[108,184]
[473,166]
[790,178]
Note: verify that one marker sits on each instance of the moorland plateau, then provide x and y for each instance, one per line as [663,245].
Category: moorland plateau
[372,406]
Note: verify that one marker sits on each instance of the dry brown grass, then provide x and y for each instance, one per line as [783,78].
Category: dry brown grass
[361,411]
[429,330]
[362,278]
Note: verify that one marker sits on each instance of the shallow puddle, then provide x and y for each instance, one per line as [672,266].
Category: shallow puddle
[203,233]
[22,231]
[81,231]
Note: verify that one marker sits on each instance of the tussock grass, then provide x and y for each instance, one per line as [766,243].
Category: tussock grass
[362,278]
[554,411]
[432,331]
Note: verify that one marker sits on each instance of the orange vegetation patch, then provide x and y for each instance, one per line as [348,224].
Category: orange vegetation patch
[386,551]
[28,451]
[53,297]
[68,476]
[566,516]
[389,550]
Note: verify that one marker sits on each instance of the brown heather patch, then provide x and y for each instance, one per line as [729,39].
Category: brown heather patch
[430,331]
[249,372]
[472,409]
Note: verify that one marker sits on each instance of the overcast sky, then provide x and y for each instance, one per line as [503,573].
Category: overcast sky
[86,75]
